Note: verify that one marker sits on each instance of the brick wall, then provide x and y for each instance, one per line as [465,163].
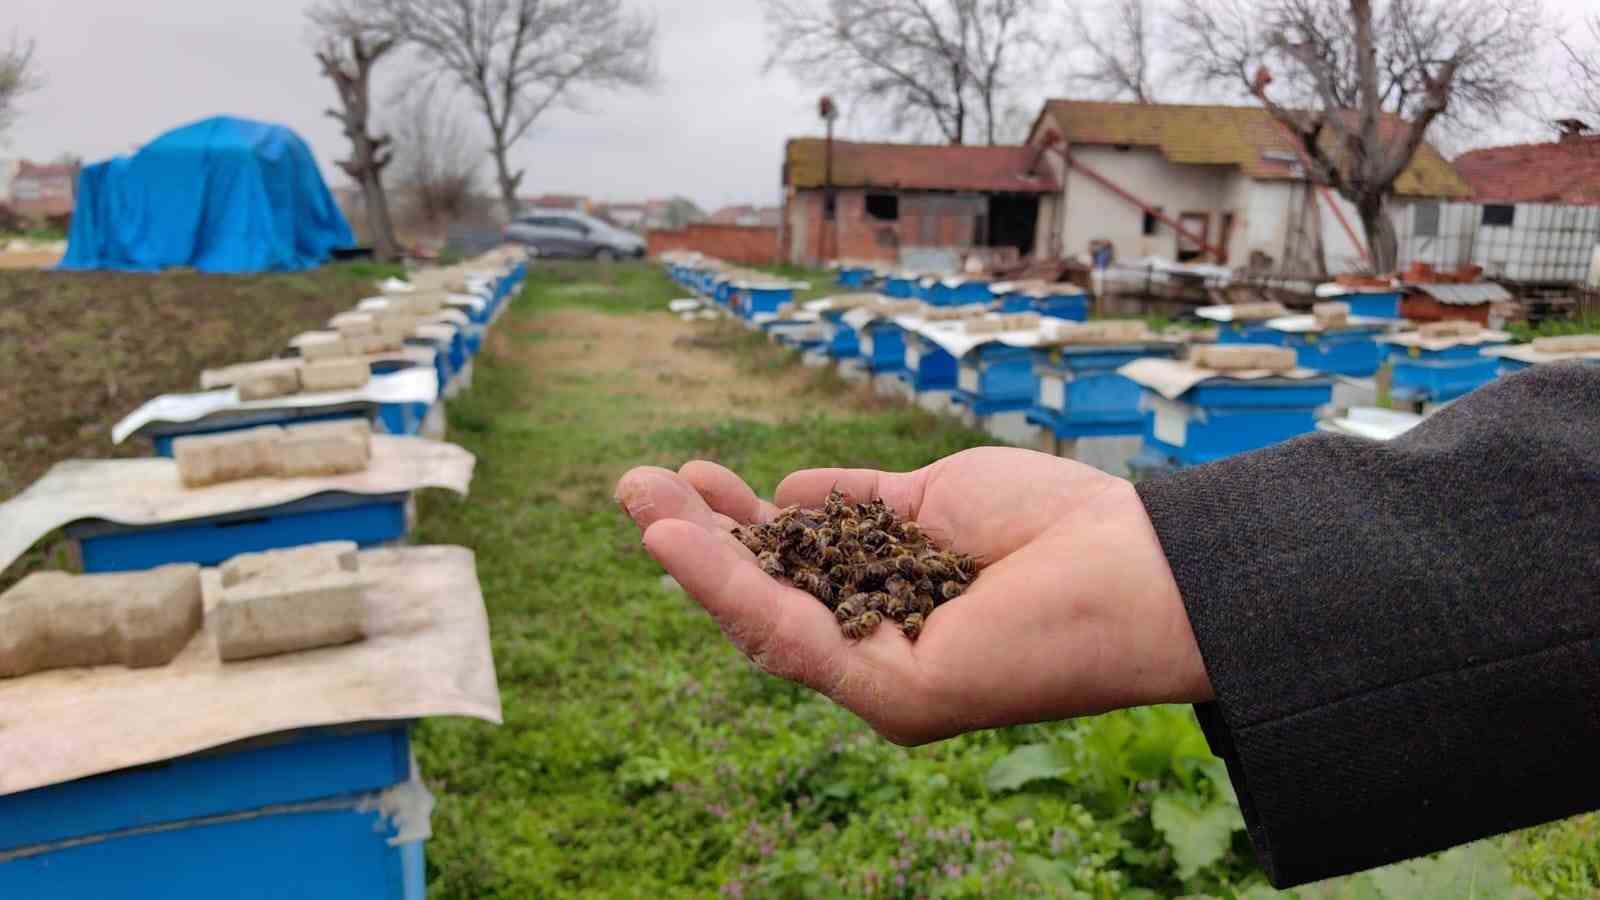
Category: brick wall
[925,220]
[747,245]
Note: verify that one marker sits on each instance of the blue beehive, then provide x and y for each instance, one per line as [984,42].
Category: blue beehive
[1221,417]
[995,378]
[883,346]
[1248,333]
[1080,394]
[762,298]
[843,342]
[369,520]
[1439,375]
[959,292]
[1378,305]
[1350,350]
[267,818]
[854,276]
[900,286]
[927,366]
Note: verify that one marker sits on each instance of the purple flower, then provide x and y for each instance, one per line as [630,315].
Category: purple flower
[767,849]
[900,881]
[951,870]
[733,889]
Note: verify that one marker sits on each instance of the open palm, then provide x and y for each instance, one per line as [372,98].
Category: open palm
[1075,612]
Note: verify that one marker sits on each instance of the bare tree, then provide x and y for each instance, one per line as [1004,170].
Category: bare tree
[519,58]
[436,156]
[1583,65]
[939,63]
[1119,53]
[18,76]
[1358,85]
[352,36]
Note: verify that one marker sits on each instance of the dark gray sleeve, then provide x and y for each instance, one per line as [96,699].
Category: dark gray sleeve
[1403,638]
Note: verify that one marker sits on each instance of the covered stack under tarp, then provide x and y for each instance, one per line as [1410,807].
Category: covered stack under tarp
[220,195]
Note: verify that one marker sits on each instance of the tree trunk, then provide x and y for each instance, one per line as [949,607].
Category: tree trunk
[384,243]
[1383,245]
[508,181]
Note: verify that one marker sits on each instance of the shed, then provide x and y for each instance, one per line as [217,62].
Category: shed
[221,195]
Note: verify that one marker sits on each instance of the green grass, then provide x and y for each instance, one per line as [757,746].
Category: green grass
[643,757]
[1522,332]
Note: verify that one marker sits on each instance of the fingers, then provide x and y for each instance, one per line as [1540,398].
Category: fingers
[651,494]
[810,487]
[726,492]
[781,629]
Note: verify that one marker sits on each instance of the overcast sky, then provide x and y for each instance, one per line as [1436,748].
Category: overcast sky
[120,72]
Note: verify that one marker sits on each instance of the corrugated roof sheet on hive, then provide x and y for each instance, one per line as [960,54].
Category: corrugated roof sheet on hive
[914,167]
[1227,135]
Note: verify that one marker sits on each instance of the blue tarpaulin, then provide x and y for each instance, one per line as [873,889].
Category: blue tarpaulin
[221,195]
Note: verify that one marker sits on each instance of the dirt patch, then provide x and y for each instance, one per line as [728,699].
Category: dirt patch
[29,259]
[678,367]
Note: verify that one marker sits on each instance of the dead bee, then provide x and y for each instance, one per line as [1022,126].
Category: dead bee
[898,587]
[875,538]
[841,574]
[876,602]
[923,603]
[756,541]
[908,565]
[771,564]
[911,626]
[835,505]
[911,533]
[793,527]
[896,607]
[951,590]
[853,606]
[862,626]
[967,565]
[885,520]
[939,567]
[832,555]
[875,572]
[925,586]
[849,529]
[826,536]
[813,583]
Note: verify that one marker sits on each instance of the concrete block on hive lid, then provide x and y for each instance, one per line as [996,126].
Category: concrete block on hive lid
[54,620]
[314,345]
[228,376]
[289,611]
[230,456]
[335,375]
[267,385]
[323,448]
[1452,328]
[354,324]
[325,558]
[1331,314]
[1242,357]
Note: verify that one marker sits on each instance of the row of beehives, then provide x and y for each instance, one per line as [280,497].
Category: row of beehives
[1022,360]
[248,581]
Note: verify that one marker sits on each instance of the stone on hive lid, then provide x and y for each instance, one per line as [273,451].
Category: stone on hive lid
[230,456]
[267,385]
[1242,357]
[288,611]
[323,448]
[319,345]
[335,375]
[1332,314]
[308,559]
[354,324]
[1449,329]
[53,620]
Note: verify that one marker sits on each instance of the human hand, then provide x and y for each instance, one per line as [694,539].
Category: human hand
[1076,611]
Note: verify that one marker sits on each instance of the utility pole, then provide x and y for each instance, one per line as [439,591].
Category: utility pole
[830,238]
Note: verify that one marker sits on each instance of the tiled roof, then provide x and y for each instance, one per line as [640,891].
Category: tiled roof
[1240,136]
[1565,171]
[914,167]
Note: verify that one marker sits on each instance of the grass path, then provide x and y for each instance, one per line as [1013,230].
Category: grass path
[642,757]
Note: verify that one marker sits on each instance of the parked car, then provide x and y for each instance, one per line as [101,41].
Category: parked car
[564,234]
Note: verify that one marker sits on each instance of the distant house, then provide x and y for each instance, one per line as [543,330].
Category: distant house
[43,191]
[1535,215]
[748,216]
[1228,175]
[623,215]
[922,206]
[8,171]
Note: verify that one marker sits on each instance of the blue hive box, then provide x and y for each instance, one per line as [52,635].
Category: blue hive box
[900,287]
[856,277]
[843,342]
[757,299]
[1221,417]
[996,378]
[1248,333]
[1378,305]
[883,345]
[369,520]
[263,819]
[1080,394]
[1353,350]
[1439,376]
[927,366]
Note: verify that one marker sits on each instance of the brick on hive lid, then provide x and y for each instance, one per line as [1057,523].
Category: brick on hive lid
[354,324]
[285,610]
[335,374]
[1331,314]
[435,331]
[1109,331]
[1242,357]
[1250,312]
[309,559]
[53,620]
[315,345]
[1450,328]
[1570,343]
[323,448]
[228,376]
[206,459]
[269,384]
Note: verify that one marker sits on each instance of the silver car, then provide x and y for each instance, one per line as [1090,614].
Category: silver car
[565,234]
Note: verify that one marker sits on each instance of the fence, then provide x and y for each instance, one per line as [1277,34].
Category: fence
[743,244]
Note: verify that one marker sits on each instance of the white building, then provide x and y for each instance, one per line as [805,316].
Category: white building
[1228,174]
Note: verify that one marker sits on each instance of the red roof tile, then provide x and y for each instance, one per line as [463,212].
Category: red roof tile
[1562,172]
[914,167]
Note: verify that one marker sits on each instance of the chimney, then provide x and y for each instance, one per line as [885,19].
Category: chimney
[1574,130]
